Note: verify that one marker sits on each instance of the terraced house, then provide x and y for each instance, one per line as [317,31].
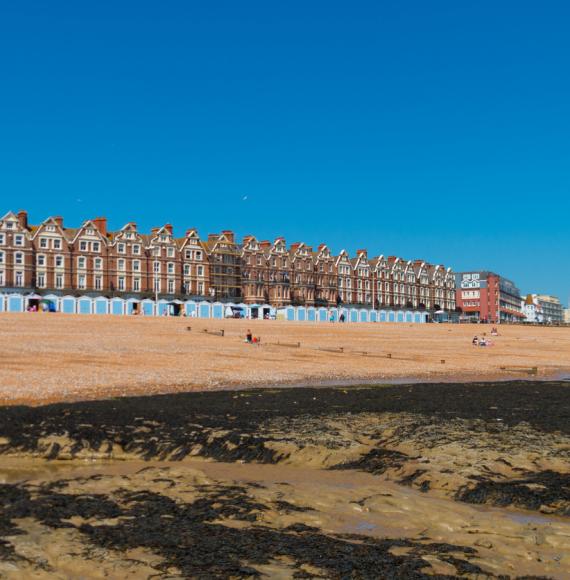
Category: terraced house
[90,260]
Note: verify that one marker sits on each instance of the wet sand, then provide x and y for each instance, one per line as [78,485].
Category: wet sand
[407,481]
[56,357]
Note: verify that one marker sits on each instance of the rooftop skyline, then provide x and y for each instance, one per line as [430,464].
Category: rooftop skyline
[424,131]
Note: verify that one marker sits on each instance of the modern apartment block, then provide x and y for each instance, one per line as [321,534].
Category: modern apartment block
[90,260]
[552,309]
[488,297]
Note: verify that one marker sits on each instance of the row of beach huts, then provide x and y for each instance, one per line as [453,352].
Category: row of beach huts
[102,305]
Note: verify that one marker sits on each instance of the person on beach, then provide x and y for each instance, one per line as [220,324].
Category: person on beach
[249,336]
[494,331]
[475,341]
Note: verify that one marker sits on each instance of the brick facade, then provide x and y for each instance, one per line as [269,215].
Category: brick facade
[92,260]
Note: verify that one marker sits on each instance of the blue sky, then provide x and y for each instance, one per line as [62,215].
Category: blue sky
[437,130]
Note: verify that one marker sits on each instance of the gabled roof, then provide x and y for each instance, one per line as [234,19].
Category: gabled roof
[85,225]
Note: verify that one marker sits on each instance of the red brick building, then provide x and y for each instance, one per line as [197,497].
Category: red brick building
[488,297]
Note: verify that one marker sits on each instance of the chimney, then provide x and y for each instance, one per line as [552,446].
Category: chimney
[168,228]
[321,246]
[58,220]
[101,225]
[212,237]
[265,244]
[188,232]
[295,246]
[154,231]
[365,252]
[23,219]
[229,235]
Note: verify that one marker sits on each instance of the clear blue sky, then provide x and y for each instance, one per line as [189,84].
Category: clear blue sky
[438,130]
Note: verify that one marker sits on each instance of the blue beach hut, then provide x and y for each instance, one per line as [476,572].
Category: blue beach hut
[84,305]
[117,306]
[101,305]
[147,306]
[204,310]
[15,303]
[68,305]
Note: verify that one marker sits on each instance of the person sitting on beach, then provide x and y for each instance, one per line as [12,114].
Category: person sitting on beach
[483,342]
[249,336]
[475,341]
[494,331]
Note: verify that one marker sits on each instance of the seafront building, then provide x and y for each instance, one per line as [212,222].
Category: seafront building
[488,297]
[94,262]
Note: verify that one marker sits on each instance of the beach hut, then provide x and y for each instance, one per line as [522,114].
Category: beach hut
[133,306]
[147,307]
[373,316]
[353,315]
[101,305]
[84,305]
[425,317]
[417,317]
[400,317]
[190,308]
[117,306]
[301,313]
[291,313]
[408,317]
[311,314]
[2,302]
[391,316]
[217,310]
[162,307]
[204,310]
[322,315]
[68,305]
[15,303]
[363,315]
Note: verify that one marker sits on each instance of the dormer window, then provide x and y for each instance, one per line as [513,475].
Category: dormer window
[9,225]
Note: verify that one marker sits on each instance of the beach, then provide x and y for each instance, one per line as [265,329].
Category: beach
[133,447]
[53,357]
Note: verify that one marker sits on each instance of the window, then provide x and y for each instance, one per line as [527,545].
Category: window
[81,282]
[121,264]
[136,249]
[59,281]
[198,255]
[188,254]
[96,246]
[121,248]
[136,284]
[2,279]
[98,264]
[156,252]
[9,225]
[98,283]
[2,239]
[41,260]
[2,258]
[170,252]
[41,281]
[156,267]
[157,285]
[59,261]
[19,240]
[19,278]
[136,265]
[82,246]
[171,286]
[19,258]
[187,270]
[200,270]
[121,283]
[201,288]
[43,243]
[57,244]
[81,262]
[170,268]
